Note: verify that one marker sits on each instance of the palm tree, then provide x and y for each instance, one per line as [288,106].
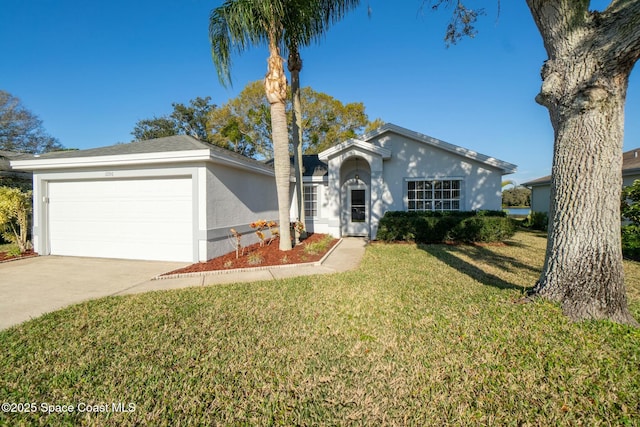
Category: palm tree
[235,25]
[316,19]
[238,24]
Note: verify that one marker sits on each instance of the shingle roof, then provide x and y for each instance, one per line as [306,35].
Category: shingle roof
[311,165]
[13,155]
[630,164]
[158,145]
[6,156]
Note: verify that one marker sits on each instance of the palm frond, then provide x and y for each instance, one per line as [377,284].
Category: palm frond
[238,24]
[233,27]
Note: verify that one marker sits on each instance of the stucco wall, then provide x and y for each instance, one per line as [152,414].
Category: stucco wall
[319,223]
[540,198]
[411,159]
[541,194]
[235,199]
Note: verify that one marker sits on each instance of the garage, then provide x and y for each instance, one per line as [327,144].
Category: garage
[146,218]
[166,199]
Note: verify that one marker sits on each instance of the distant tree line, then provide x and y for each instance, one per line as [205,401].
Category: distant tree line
[22,131]
[519,196]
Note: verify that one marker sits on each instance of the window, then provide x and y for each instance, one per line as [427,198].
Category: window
[433,195]
[310,198]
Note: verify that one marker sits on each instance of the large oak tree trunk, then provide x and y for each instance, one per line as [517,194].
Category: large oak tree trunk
[275,83]
[584,87]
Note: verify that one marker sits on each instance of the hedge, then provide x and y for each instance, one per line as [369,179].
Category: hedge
[438,227]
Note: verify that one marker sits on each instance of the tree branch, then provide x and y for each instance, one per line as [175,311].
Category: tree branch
[558,21]
[621,22]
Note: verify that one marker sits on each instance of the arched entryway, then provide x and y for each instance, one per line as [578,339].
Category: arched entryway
[355,175]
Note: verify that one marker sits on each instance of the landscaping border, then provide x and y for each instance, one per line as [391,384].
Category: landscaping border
[247,269]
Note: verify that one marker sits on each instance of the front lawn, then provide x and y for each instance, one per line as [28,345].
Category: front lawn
[429,335]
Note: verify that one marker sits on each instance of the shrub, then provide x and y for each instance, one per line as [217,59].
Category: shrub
[630,211]
[255,259]
[436,227]
[315,248]
[537,221]
[483,229]
[15,209]
[631,242]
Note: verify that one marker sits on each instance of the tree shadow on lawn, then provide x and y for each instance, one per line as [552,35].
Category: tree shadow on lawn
[449,255]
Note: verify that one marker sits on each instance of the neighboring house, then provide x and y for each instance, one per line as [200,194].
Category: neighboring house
[176,198]
[9,176]
[541,187]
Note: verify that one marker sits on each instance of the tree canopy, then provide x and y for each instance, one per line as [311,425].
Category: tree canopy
[245,121]
[21,130]
[184,120]
[519,196]
[243,124]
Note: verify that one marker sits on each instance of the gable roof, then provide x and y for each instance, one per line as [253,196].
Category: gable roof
[312,166]
[157,145]
[350,143]
[5,165]
[178,148]
[630,166]
[12,154]
[506,167]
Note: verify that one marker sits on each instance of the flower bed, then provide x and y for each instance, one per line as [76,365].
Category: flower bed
[310,250]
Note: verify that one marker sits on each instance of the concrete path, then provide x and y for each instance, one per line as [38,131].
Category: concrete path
[34,286]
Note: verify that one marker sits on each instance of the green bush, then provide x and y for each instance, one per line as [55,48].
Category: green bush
[483,229]
[437,227]
[15,210]
[631,242]
[537,221]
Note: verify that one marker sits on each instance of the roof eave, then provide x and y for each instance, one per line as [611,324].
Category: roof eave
[36,164]
[506,167]
[186,156]
[350,143]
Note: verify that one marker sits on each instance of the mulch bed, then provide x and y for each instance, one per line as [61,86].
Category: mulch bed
[4,256]
[256,256]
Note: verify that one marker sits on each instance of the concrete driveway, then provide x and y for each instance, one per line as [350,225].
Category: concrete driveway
[34,286]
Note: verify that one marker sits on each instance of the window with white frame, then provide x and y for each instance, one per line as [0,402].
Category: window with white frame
[310,198]
[433,195]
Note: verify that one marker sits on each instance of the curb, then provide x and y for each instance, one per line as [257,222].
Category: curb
[19,258]
[248,269]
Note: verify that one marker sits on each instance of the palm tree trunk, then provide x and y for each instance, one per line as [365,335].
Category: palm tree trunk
[275,83]
[295,66]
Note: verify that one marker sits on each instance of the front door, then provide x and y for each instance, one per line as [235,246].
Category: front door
[356,214]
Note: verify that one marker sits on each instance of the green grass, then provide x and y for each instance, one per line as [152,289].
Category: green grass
[5,247]
[318,247]
[429,335]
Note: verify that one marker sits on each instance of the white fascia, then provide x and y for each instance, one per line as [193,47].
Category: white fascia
[507,168]
[186,156]
[350,143]
[116,160]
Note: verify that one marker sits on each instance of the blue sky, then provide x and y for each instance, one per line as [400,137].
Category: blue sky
[91,69]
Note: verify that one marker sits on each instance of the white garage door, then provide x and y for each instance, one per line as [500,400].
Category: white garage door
[134,219]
